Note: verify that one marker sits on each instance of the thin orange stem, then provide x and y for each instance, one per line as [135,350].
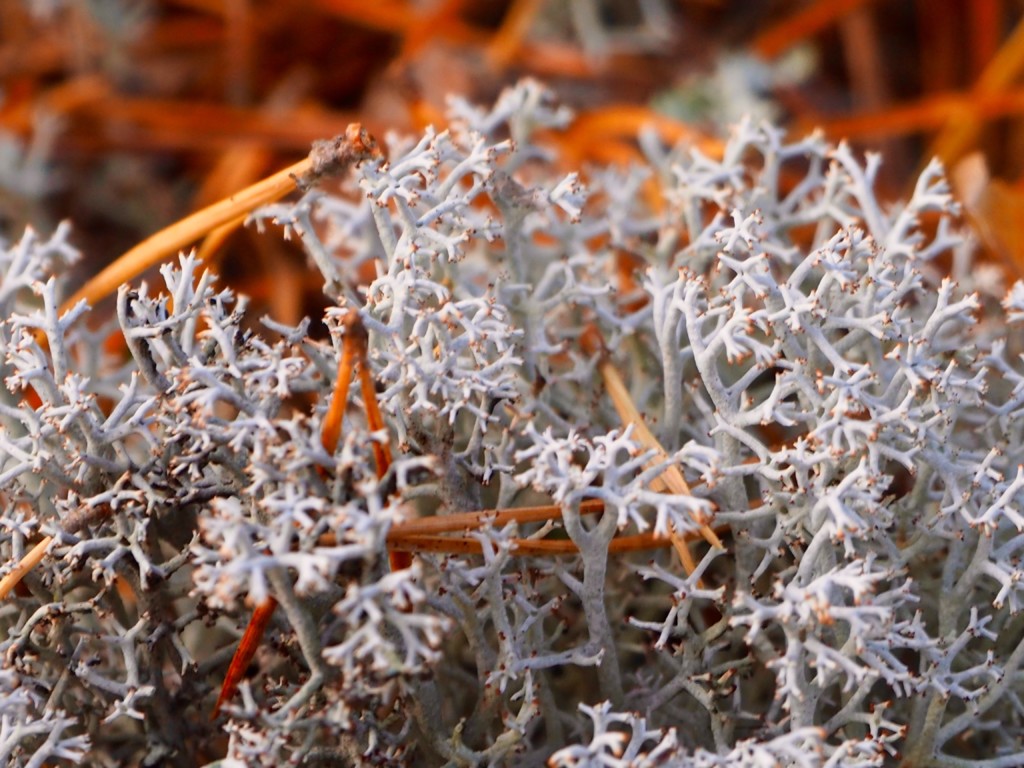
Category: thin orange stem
[983,19]
[328,158]
[235,169]
[465,521]
[355,344]
[31,396]
[925,114]
[803,24]
[627,120]
[525,547]
[671,478]
[354,356]
[961,131]
[216,238]
[31,559]
[506,41]
[609,134]
[375,421]
[245,652]
[330,432]
[183,233]
[182,124]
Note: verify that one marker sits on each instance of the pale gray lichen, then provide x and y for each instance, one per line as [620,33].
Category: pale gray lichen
[845,411]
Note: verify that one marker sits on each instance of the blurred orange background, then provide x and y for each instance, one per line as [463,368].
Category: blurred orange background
[124,116]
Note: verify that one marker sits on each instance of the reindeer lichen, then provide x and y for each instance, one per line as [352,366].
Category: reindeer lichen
[844,405]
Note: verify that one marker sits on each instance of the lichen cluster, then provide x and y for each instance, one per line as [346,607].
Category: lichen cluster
[845,413]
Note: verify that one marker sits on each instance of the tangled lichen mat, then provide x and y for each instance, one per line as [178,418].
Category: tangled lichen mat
[800,547]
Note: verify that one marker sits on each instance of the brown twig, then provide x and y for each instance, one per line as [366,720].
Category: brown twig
[925,114]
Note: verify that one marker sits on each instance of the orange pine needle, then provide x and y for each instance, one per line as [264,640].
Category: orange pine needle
[957,137]
[925,114]
[392,17]
[353,358]
[627,120]
[608,134]
[31,559]
[331,157]
[183,124]
[354,348]
[671,478]
[353,354]
[374,418]
[524,547]
[245,652]
[330,432]
[984,21]
[806,22]
[31,397]
[235,169]
[465,521]
[533,547]
[423,535]
[506,41]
